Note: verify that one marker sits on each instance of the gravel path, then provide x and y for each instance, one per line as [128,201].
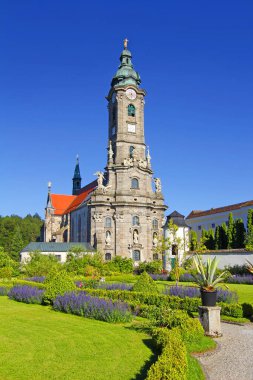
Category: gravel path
[233,358]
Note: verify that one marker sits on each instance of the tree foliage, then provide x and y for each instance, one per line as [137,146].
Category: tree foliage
[17,232]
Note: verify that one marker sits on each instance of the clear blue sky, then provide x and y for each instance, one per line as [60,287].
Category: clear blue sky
[195,59]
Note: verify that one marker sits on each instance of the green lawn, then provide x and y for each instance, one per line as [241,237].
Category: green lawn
[39,343]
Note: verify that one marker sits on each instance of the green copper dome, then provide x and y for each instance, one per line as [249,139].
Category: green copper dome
[126,74]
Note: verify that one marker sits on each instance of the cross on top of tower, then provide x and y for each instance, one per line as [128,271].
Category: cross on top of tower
[125,43]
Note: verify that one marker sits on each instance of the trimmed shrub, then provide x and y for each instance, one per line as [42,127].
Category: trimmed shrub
[172,363]
[57,283]
[26,294]
[93,307]
[152,267]
[231,310]
[120,264]
[247,310]
[145,284]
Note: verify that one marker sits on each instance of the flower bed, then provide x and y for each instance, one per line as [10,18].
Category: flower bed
[39,279]
[93,307]
[241,279]
[192,292]
[26,294]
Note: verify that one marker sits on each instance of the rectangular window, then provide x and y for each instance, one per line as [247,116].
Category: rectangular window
[213,225]
[58,257]
[199,228]
[136,255]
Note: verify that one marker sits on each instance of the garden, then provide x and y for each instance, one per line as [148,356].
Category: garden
[90,318]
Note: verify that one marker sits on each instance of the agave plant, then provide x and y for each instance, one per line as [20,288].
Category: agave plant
[249,266]
[206,277]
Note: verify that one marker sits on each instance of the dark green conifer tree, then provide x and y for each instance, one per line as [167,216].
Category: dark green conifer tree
[230,230]
[239,234]
[193,240]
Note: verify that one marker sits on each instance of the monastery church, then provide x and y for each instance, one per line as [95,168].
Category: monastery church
[122,211]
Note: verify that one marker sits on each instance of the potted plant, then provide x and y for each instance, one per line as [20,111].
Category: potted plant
[207,279]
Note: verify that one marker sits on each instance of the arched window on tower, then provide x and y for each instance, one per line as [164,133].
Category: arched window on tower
[131,110]
[108,222]
[135,220]
[155,224]
[131,150]
[134,183]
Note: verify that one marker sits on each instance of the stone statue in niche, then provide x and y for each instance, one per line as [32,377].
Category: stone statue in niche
[108,238]
[135,237]
[155,239]
[158,185]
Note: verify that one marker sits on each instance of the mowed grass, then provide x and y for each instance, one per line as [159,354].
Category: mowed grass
[38,343]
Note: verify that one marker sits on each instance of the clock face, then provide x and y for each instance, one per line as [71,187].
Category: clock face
[131,94]
[114,97]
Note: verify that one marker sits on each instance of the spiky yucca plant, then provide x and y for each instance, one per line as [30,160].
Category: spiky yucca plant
[206,278]
[249,266]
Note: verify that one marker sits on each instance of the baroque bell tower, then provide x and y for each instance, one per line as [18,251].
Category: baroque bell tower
[126,213]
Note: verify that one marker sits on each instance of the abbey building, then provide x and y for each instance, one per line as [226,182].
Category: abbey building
[122,211]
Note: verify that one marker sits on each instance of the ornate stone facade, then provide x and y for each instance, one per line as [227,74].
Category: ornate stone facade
[125,212]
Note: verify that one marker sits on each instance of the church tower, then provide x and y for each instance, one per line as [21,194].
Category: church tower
[126,213]
[77,178]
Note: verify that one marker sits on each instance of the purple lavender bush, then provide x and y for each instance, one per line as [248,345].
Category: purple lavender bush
[115,286]
[4,291]
[182,291]
[186,277]
[193,292]
[26,294]
[93,307]
[39,279]
[241,279]
[159,277]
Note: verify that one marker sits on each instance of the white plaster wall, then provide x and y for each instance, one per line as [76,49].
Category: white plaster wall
[25,256]
[229,259]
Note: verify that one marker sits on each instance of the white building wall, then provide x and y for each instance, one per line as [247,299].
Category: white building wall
[182,235]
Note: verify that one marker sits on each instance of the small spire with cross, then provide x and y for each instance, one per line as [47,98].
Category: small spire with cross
[125,43]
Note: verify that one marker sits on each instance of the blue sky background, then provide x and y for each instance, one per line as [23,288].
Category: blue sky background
[195,59]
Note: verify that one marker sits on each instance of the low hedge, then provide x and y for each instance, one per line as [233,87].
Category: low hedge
[172,362]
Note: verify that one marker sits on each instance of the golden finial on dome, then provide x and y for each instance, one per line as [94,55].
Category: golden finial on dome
[125,43]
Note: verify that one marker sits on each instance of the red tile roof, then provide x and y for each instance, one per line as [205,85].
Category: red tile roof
[78,200]
[64,204]
[60,202]
[198,213]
